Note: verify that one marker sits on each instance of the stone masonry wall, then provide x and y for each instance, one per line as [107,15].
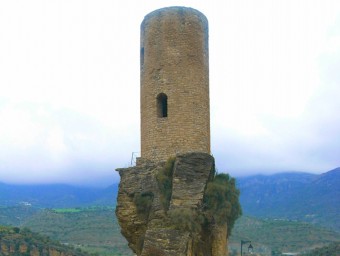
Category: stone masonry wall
[174,61]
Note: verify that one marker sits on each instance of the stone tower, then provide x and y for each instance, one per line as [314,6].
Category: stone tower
[163,207]
[174,83]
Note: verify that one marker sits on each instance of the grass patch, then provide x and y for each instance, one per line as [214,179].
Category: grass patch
[143,202]
[79,209]
[164,180]
[186,219]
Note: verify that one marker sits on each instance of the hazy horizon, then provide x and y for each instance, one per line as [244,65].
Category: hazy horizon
[69,101]
[105,182]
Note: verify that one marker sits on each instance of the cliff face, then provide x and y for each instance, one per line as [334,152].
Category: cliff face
[160,208]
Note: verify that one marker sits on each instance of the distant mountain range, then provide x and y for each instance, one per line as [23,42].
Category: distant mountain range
[294,196]
[56,196]
[291,196]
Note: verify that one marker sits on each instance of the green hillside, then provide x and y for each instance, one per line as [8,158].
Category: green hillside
[293,196]
[280,235]
[16,215]
[96,230]
[16,241]
[91,229]
[329,250]
[282,205]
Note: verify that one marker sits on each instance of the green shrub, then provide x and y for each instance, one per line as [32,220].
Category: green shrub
[164,180]
[186,219]
[143,202]
[221,201]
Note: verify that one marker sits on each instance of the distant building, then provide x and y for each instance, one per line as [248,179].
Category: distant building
[25,203]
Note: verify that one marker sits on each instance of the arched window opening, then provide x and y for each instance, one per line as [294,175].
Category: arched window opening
[162,105]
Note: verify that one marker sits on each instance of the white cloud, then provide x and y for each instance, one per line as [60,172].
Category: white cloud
[69,85]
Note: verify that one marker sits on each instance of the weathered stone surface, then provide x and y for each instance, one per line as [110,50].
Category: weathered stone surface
[166,241]
[174,63]
[219,240]
[154,232]
[191,173]
[134,180]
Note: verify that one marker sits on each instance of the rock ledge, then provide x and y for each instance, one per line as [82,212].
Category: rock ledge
[155,222]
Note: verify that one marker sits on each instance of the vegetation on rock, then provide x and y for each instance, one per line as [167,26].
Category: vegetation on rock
[143,202]
[221,201]
[186,219]
[164,180]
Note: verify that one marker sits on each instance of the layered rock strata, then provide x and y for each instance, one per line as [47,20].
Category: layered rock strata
[160,208]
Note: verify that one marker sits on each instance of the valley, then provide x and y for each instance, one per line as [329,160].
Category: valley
[291,212]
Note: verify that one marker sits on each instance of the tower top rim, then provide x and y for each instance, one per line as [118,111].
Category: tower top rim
[175,9]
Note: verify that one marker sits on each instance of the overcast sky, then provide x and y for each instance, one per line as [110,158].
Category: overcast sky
[69,86]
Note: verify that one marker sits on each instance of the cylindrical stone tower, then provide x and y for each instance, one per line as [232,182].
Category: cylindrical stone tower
[174,83]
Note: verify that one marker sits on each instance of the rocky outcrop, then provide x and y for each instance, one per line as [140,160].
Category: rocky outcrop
[160,208]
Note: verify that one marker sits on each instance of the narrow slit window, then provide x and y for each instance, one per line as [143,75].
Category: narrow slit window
[142,56]
[162,105]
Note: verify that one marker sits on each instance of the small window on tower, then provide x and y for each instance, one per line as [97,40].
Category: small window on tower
[162,105]
[142,56]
